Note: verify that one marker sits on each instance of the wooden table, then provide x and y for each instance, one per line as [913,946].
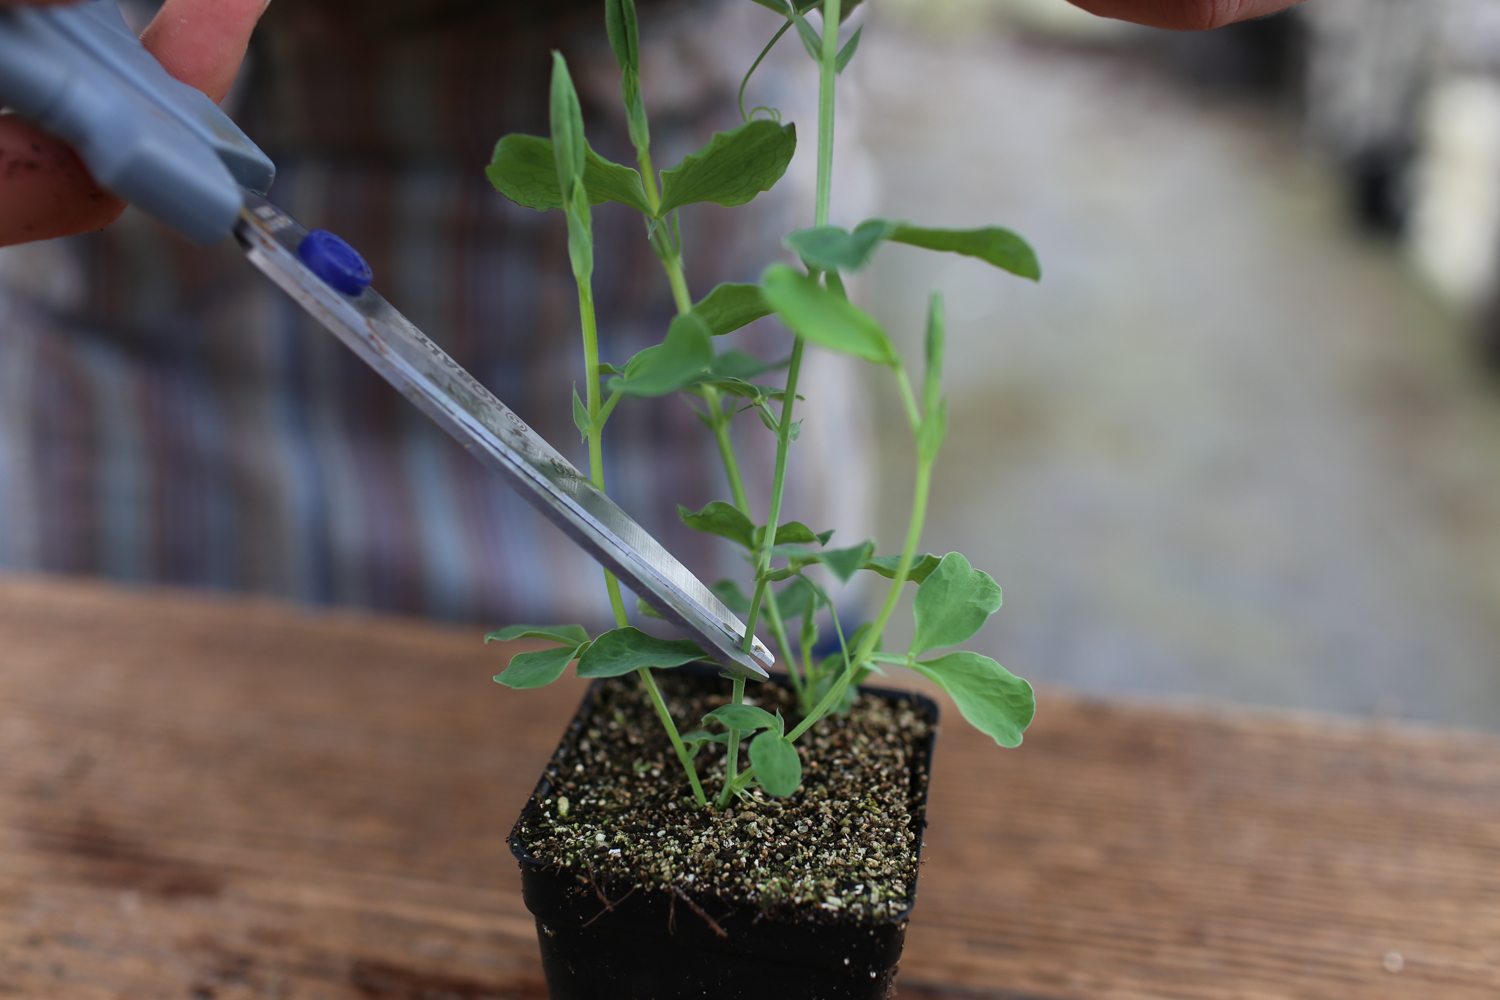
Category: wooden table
[213,799]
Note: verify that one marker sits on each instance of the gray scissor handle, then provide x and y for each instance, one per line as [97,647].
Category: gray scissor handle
[79,73]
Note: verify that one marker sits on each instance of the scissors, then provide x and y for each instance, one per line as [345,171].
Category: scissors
[79,72]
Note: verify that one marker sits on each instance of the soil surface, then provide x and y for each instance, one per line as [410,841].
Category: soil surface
[844,846]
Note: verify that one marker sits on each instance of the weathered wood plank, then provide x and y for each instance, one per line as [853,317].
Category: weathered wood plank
[217,799]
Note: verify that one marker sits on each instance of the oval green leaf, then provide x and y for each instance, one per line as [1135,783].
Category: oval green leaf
[569,635]
[921,567]
[952,604]
[991,244]
[524,169]
[567,126]
[677,362]
[733,168]
[824,317]
[777,766]
[745,718]
[844,563]
[622,650]
[993,700]
[833,248]
[730,306]
[537,668]
[719,518]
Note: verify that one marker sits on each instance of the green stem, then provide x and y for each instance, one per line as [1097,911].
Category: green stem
[778,488]
[681,297]
[866,647]
[741,783]
[719,421]
[732,762]
[670,252]
[648,179]
[596,426]
[909,401]
[744,83]
[686,759]
[827,76]
[590,325]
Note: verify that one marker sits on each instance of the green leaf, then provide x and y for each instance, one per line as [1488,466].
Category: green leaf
[844,563]
[622,650]
[802,6]
[580,416]
[993,245]
[921,567]
[635,111]
[677,362]
[793,533]
[624,39]
[824,317]
[580,235]
[539,667]
[722,519]
[699,736]
[994,700]
[952,604]
[569,151]
[730,306]
[646,610]
[733,168]
[745,718]
[934,344]
[777,766]
[812,42]
[829,671]
[833,248]
[742,366]
[624,34]
[568,635]
[734,598]
[847,52]
[524,169]
[797,599]
[933,431]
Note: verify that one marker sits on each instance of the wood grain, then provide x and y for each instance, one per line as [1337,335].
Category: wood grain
[215,800]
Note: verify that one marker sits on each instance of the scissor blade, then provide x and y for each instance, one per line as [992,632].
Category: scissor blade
[389,343]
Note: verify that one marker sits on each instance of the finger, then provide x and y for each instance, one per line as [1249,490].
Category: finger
[45,191]
[1185,15]
[202,42]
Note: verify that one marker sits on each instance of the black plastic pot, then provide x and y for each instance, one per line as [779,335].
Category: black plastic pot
[652,945]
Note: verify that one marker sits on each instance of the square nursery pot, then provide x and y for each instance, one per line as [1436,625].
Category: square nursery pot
[602,937]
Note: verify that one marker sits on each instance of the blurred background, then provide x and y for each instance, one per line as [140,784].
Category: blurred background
[1243,441]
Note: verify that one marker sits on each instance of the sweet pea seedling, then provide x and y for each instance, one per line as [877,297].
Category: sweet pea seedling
[953,599]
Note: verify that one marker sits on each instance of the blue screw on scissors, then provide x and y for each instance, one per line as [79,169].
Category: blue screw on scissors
[79,73]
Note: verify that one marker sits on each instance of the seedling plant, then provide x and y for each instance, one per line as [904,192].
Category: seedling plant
[953,599]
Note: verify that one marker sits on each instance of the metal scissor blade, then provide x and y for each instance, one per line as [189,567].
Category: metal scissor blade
[390,344]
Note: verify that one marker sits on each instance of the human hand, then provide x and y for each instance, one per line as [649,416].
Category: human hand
[45,190]
[1185,15]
